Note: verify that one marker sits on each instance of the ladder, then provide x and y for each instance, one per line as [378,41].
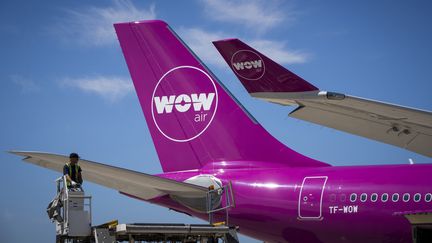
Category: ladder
[212,199]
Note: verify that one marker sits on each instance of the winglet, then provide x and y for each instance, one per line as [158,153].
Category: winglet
[257,72]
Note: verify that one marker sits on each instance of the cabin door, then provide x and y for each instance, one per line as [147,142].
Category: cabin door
[310,197]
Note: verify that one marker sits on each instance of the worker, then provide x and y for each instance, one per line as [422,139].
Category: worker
[72,171]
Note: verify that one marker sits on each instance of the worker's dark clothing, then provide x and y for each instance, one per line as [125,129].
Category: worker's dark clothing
[72,171]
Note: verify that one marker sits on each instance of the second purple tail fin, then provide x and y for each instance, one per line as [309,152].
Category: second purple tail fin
[257,72]
[192,118]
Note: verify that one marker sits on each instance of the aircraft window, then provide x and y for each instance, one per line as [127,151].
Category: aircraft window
[428,197]
[342,197]
[417,197]
[353,197]
[395,197]
[406,197]
[384,197]
[363,197]
[374,197]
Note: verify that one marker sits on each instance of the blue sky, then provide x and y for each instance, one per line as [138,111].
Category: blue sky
[65,86]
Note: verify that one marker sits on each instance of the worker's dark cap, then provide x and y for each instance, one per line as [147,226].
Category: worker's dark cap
[74,155]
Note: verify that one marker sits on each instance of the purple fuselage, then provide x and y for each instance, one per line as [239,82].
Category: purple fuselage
[268,206]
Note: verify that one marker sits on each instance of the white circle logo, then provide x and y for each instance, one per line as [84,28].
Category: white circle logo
[184,103]
[248,64]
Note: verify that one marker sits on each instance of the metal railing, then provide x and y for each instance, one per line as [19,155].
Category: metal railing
[217,194]
[67,196]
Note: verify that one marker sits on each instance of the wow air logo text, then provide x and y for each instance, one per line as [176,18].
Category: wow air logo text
[184,103]
[248,64]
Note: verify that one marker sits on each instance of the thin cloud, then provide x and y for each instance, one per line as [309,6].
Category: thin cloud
[200,41]
[109,88]
[26,85]
[94,26]
[259,15]
[278,51]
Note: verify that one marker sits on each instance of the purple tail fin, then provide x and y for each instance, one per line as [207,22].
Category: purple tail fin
[192,118]
[257,72]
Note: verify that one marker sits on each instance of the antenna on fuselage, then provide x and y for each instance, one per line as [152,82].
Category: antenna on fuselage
[411,161]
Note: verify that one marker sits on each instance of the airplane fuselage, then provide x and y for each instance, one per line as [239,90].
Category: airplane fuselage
[324,204]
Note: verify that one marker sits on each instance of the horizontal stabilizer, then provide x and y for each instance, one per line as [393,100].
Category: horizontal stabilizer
[131,182]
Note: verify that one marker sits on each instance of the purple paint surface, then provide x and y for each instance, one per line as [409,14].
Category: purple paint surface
[225,132]
[257,72]
[280,194]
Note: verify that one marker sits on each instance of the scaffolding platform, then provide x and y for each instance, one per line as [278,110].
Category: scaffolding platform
[166,233]
[71,211]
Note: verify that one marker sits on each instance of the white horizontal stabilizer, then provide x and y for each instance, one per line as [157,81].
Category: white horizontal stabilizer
[131,182]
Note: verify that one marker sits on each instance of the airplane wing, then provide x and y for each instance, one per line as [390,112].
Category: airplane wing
[263,78]
[417,217]
[131,182]
[397,125]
